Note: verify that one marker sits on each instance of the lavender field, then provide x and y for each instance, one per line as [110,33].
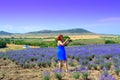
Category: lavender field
[82,60]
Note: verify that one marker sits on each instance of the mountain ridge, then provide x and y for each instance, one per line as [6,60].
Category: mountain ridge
[5,33]
[76,30]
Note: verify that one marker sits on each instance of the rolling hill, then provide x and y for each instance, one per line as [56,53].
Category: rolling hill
[5,33]
[77,30]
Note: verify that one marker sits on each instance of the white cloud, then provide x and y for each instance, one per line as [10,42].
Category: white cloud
[110,19]
[6,27]
[21,29]
[104,28]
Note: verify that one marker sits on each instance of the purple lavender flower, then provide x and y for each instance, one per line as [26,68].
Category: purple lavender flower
[57,70]
[58,74]
[108,77]
[46,75]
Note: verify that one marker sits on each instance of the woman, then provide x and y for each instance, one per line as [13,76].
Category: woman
[61,54]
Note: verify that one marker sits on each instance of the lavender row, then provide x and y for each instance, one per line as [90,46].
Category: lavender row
[92,54]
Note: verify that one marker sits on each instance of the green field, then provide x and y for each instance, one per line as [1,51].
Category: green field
[45,40]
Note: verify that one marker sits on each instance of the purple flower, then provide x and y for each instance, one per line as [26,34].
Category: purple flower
[108,77]
[57,70]
[46,73]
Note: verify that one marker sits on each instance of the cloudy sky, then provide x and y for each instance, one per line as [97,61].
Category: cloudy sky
[21,16]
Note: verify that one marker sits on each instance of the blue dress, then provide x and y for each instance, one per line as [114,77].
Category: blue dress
[61,54]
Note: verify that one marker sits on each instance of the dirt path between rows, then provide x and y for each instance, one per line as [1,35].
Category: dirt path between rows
[10,71]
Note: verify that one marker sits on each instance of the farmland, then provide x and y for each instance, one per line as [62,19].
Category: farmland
[90,58]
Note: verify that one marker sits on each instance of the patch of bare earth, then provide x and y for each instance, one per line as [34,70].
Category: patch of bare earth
[10,71]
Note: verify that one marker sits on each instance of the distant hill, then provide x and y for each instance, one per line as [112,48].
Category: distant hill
[77,30]
[5,33]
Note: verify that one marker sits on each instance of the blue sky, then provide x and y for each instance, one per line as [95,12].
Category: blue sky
[21,16]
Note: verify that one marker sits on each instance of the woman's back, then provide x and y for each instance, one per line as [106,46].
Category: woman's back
[61,53]
[61,47]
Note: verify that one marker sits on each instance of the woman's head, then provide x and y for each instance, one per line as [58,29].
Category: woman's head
[60,37]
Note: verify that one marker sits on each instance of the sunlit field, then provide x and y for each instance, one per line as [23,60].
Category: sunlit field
[92,62]
[90,57]
[14,47]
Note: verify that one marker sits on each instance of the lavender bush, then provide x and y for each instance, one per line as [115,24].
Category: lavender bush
[46,75]
[76,75]
[103,55]
[58,74]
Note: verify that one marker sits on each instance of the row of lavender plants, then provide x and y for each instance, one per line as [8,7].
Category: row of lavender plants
[31,57]
[90,56]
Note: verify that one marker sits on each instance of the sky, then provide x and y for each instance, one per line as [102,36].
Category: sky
[98,16]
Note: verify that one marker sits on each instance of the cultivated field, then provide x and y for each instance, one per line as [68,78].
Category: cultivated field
[86,62]
[91,62]
[15,47]
[72,35]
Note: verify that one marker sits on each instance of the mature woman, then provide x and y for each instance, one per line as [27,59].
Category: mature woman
[61,54]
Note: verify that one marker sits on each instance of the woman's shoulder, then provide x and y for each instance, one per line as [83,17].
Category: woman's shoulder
[59,42]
